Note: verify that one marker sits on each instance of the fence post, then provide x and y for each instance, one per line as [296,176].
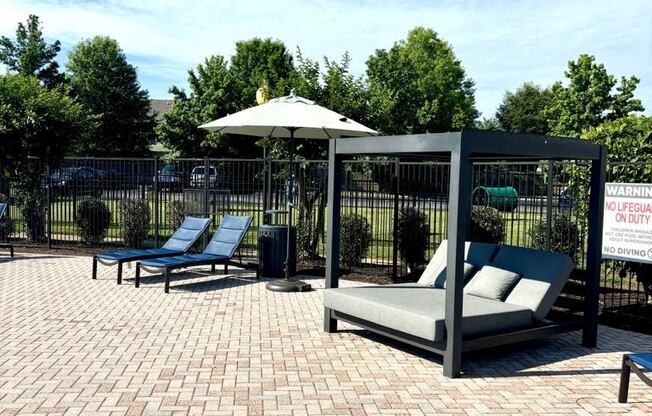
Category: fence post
[156,203]
[206,184]
[551,167]
[397,180]
[48,198]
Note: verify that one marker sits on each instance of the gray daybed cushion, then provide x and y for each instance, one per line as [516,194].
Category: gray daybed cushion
[440,281]
[418,310]
[492,283]
[477,254]
[543,275]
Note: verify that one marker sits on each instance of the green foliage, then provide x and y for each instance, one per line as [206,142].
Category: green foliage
[588,100]
[487,226]
[522,111]
[101,78]
[628,139]
[41,122]
[488,123]
[564,235]
[419,86]
[412,233]
[218,89]
[135,217]
[355,238]
[177,212]
[30,55]
[92,218]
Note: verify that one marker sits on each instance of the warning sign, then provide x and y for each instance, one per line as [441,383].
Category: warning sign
[627,229]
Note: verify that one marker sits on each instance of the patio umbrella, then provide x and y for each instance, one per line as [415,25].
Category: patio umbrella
[290,117]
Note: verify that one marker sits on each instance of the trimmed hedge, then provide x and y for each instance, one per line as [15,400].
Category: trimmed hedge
[135,219]
[564,235]
[412,234]
[355,238]
[487,225]
[92,218]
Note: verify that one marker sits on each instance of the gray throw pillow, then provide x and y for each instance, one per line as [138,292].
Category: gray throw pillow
[492,283]
[440,281]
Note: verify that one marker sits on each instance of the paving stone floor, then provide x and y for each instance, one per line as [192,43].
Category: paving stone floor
[223,345]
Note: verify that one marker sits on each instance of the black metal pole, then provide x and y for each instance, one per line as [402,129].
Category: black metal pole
[289,202]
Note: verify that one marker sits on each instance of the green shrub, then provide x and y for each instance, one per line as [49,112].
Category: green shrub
[7,225]
[487,226]
[564,235]
[355,238]
[92,218]
[135,217]
[177,212]
[412,234]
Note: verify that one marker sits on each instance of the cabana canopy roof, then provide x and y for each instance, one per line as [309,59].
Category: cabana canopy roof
[477,144]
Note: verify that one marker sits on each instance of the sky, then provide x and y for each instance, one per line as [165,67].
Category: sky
[501,43]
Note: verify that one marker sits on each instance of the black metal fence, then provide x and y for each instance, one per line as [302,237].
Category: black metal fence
[528,196]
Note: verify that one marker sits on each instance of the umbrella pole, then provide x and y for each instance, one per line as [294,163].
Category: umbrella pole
[289,204]
[288,284]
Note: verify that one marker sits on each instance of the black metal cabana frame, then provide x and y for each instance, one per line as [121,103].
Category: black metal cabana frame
[462,148]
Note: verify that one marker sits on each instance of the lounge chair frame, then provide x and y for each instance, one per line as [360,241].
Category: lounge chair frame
[462,148]
[630,366]
[120,262]
[212,262]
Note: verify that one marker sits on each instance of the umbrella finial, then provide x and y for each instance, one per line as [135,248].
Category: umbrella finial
[292,93]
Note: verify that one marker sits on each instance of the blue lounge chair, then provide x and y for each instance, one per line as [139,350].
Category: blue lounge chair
[219,250]
[638,363]
[181,241]
[3,211]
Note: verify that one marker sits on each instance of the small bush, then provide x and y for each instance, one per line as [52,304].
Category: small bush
[135,217]
[487,226]
[564,235]
[355,238]
[7,225]
[412,234]
[177,212]
[92,218]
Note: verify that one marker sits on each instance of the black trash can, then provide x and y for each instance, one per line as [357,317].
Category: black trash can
[272,246]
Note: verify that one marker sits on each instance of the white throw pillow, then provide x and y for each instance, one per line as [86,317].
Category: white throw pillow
[492,283]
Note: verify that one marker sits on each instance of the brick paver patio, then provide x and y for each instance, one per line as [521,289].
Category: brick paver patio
[71,345]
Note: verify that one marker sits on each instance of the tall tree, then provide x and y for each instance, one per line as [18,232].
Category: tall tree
[257,62]
[217,89]
[211,96]
[30,54]
[419,86]
[101,78]
[522,111]
[589,98]
[41,122]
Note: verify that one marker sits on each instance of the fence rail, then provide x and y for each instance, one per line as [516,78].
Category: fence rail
[377,190]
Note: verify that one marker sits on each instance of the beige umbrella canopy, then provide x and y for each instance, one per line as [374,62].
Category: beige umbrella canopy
[290,117]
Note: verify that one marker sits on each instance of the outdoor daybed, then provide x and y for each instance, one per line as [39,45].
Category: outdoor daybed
[455,319]
[491,304]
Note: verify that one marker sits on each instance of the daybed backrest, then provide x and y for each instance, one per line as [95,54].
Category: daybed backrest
[543,275]
[228,236]
[187,234]
[478,254]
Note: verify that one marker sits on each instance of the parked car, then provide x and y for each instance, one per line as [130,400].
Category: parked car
[198,177]
[82,180]
[169,178]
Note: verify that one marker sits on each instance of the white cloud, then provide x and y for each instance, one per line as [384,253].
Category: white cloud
[500,43]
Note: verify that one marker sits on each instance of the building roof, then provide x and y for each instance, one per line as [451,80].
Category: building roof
[159,107]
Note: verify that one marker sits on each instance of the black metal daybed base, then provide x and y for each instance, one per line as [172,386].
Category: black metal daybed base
[537,331]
